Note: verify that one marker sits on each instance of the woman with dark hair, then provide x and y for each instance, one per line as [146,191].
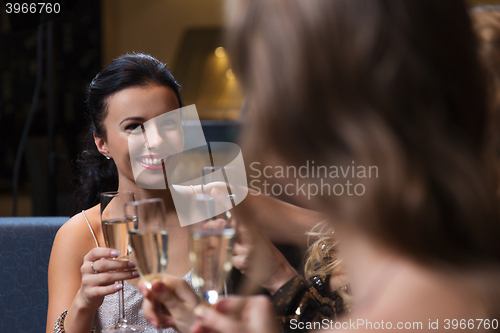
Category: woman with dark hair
[98,174]
[129,93]
[393,84]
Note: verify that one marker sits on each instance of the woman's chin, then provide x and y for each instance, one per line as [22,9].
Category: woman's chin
[151,180]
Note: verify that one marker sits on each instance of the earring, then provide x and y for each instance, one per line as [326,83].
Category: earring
[107,157]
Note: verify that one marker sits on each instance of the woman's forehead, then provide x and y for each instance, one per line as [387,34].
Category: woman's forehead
[142,102]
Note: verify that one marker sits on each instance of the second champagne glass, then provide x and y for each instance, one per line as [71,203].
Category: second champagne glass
[114,227]
[148,237]
[211,244]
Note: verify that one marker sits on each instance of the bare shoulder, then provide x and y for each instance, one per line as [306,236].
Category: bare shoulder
[75,237]
[72,243]
[422,295]
[94,218]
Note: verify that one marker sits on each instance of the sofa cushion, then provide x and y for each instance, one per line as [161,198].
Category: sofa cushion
[25,245]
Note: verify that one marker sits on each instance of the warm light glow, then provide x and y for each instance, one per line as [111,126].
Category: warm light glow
[229,74]
[220,52]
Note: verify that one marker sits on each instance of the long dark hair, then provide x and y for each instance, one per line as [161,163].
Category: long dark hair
[96,174]
[392,84]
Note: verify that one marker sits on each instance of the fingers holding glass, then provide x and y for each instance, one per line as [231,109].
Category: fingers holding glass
[115,229]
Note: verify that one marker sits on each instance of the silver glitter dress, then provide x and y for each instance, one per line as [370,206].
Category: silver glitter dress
[107,314]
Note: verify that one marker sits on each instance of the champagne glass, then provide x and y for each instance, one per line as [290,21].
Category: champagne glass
[211,243]
[114,227]
[148,237]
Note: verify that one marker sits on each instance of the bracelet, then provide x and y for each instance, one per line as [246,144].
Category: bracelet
[59,325]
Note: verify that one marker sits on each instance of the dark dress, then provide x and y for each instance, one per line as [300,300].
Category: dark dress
[300,303]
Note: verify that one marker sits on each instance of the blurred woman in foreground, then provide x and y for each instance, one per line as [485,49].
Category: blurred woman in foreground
[486,23]
[393,84]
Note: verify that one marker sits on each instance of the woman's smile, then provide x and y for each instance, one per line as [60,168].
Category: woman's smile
[153,162]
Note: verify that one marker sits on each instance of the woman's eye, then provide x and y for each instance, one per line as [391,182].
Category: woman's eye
[169,122]
[132,127]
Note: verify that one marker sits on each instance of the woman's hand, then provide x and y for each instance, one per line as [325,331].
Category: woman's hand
[99,273]
[169,303]
[255,256]
[237,314]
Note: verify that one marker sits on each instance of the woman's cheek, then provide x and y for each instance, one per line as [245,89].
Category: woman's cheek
[178,141]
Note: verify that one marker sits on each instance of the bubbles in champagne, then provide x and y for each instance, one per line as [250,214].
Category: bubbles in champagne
[211,254]
[150,250]
[116,236]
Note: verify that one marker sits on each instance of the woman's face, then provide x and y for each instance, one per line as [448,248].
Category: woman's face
[142,133]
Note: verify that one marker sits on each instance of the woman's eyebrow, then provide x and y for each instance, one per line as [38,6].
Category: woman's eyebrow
[132,118]
[170,113]
[166,115]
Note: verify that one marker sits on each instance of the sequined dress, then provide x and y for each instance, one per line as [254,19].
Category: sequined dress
[107,314]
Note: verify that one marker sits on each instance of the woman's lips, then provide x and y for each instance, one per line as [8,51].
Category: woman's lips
[152,162]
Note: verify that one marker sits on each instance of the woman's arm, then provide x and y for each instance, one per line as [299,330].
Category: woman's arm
[73,286]
[262,221]
[281,222]
[66,258]
[260,217]
[255,256]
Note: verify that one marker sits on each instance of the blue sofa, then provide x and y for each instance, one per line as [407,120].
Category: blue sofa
[25,245]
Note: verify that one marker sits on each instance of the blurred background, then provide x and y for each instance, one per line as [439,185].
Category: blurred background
[186,34]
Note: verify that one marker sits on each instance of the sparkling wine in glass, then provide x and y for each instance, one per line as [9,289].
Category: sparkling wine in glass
[114,227]
[148,237]
[211,243]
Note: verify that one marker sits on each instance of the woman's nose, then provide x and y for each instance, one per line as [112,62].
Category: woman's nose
[153,137]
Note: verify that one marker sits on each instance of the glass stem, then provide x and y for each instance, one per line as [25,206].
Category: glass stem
[121,302]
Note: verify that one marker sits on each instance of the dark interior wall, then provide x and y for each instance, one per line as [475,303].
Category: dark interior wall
[77,58]
[85,39]
[155,27]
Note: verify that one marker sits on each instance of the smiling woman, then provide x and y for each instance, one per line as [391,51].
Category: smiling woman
[151,114]
[124,80]
[134,92]
[156,146]
[135,139]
